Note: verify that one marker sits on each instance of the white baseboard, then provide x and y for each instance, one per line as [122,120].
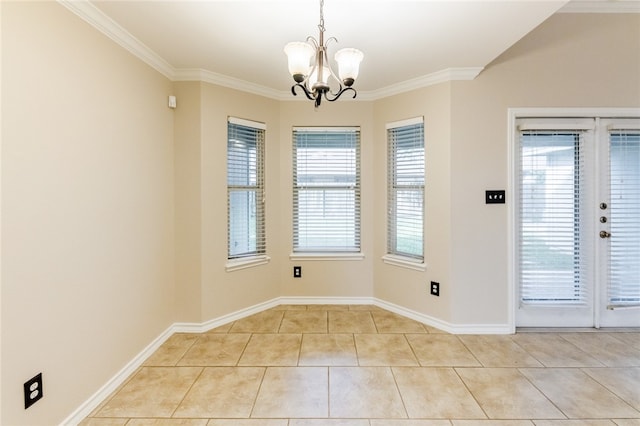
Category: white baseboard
[299,300]
[121,376]
[444,325]
[185,327]
[180,327]
[97,398]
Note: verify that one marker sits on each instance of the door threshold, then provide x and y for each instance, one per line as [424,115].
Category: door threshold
[577,330]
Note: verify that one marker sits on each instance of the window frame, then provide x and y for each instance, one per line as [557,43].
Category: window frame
[393,255]
[258,256]
[300,251]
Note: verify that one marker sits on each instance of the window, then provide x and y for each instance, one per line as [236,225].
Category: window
[405,184]
[245,189]
[326,190]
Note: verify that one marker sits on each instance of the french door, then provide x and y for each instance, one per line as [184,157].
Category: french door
[577,222]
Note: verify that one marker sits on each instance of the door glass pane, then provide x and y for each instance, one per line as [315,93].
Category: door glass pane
[624,270]
[550,263]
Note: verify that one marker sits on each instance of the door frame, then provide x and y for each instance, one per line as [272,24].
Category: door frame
[512,185]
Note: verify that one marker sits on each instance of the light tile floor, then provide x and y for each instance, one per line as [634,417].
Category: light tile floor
[363,366]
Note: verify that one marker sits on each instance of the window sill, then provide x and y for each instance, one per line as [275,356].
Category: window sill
[326,256]
[246,262]
[404,262]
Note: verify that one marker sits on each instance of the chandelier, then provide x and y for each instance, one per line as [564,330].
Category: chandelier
[313,79]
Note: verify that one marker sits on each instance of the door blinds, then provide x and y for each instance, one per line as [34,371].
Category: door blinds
[624,266]
[326,190]
[245,189]
[553,253]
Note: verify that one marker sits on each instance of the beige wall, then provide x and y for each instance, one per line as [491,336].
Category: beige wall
[226,292]
[87,218]
[205,290]
[322,278]
[188,200]
[571,60]
[114,206]
[405,287]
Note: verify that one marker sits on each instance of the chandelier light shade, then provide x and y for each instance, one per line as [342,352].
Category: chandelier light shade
[310,68]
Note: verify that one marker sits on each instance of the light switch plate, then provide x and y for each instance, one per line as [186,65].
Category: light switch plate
[495,197]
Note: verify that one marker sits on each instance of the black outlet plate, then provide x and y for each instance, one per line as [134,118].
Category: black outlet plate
[297,272]
[33,391]
[435,288]
[494,197]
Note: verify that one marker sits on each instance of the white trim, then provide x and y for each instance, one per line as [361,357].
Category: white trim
[246,262]
[403,123]
[185,327]
[325,129]
[404,262]
[120,377]
[211,77]
[572,112]
[443,325]
[631,125]
[557,126]
[247,123]
[512,153]
[303,300]
[442,76]
[590,6]
[326,256]
[107,26]
[116,381]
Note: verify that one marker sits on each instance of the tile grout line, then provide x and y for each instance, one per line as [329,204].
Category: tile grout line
[582,369]
[198,337]
[255,399]
[395,381]
[464,345]
[541,392]
[455,370]
[412,351]
[188,390]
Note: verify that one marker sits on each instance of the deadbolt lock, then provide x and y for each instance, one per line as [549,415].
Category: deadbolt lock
[603,219]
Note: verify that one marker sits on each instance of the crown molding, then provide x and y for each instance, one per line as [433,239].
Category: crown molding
[107,26]
[103,23]
[601,6]
[226,81]
[442,76]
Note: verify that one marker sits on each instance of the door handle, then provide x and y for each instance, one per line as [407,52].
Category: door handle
[605,234]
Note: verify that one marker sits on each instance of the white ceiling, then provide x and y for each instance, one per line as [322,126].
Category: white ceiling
[240,42]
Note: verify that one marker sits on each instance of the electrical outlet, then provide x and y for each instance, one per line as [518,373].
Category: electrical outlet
[32,391]
[435,288]
[297,272]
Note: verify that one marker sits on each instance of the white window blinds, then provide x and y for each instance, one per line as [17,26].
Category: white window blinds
[405,186]
[245,189]
[553,255]
[326,190]
[624,269]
